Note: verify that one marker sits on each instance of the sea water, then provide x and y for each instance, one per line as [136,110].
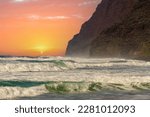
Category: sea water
[73,78]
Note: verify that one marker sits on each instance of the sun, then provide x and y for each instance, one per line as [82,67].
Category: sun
[41,48]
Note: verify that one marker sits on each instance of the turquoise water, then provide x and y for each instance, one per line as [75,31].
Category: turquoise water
[24,84]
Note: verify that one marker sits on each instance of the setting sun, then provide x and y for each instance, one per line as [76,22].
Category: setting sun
[41,48]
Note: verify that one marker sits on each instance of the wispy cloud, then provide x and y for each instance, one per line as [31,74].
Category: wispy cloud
[61,17]
[38,17]
[78,16]
[19,1]
[88,2]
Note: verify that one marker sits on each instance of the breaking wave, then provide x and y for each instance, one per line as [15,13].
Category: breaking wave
[16,89]
[14,92]
[77,87]
[35,65]
[45,64]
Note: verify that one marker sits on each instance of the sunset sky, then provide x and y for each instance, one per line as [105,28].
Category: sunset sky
[41,27]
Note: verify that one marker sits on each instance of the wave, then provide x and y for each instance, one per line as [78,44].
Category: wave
[77,87]
[21,65]
[14,92]
[44,64]
[36,89]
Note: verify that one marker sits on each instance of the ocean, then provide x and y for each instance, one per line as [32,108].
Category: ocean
[73,78]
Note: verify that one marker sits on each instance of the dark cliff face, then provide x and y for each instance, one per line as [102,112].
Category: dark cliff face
[107,14]
[130,38]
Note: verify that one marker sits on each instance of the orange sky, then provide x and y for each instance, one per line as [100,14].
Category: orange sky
[41,27]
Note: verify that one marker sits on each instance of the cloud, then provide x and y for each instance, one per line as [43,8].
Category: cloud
[56,17]
[61,17]
[86,3]
[78,16]
[37,17]
[20,1]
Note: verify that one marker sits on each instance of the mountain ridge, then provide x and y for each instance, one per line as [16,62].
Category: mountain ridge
[108,13]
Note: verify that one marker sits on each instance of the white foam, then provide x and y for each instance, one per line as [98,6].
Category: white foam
[13,92]
[14,65]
